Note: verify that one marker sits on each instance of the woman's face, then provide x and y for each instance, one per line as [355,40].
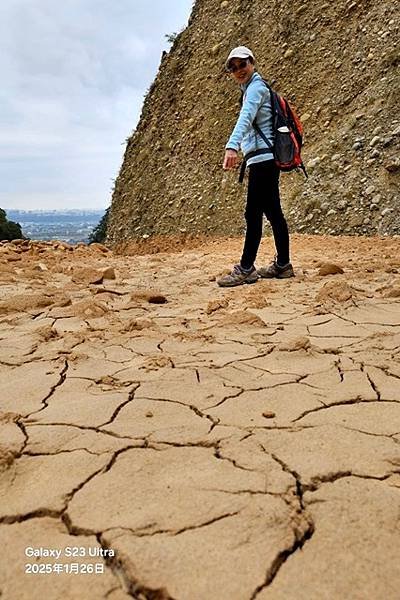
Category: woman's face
[241,69]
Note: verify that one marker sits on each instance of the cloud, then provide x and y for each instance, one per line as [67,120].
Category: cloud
[74,76]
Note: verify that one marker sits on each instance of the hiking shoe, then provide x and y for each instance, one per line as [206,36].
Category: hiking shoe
[238,276]
[274,270]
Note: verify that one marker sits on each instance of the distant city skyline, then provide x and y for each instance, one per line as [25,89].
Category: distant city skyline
[74,76]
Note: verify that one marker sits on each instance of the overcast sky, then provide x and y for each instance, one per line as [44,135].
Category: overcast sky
[73,78]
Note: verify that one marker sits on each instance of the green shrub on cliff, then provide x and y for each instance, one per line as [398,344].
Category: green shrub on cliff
[100,231]
[8,229]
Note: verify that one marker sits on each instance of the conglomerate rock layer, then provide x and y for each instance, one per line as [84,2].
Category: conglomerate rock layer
[338,62]
[189,442]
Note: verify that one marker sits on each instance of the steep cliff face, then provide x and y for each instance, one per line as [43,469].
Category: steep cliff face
[339,65]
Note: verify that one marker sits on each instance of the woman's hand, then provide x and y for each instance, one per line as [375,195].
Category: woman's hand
[231,160]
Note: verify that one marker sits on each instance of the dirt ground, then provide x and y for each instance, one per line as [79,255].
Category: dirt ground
[162,438]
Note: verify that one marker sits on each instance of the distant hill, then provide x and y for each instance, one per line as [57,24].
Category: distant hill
[71,226]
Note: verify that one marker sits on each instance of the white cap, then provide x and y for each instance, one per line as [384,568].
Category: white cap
[239,52]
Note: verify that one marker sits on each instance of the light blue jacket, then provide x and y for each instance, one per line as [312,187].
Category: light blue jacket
[256,102]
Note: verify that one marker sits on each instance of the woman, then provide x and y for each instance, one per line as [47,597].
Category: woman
[263,189]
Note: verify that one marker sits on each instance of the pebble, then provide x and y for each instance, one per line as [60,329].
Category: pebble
[313,162]
[108,273]
[393,165]
[268,414]
[375,140]
[330,269]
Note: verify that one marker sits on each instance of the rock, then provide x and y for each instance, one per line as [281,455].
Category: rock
[375,140]
[12,257]
[300,343]
[370,190]
[268,414]
[215,305]
[87,275]
[329,269]
[108,273]
[149,296]
[136,325]
[46,332]
[100,247]
[64,246]
[25,302]
[338,291]
[392,165]
[313,163]
[40,267]
[392,293]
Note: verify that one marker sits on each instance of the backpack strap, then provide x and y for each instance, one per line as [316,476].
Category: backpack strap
[264,137]
[269,150]
[256,127]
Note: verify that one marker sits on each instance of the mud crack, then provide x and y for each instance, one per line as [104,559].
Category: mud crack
[63,376]
[303,529]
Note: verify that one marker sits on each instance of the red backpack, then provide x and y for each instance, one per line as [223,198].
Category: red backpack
[288,135]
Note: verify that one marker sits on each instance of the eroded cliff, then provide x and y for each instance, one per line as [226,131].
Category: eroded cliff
[337,62]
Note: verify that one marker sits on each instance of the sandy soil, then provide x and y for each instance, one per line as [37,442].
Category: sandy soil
[198,443]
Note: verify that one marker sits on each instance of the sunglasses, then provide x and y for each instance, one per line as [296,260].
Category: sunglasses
[241,65]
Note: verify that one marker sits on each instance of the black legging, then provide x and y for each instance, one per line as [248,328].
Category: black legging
[263,198]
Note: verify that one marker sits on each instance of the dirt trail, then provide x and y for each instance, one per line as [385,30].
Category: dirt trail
[198,443]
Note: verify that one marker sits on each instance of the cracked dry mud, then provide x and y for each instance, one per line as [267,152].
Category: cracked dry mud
[227,444]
